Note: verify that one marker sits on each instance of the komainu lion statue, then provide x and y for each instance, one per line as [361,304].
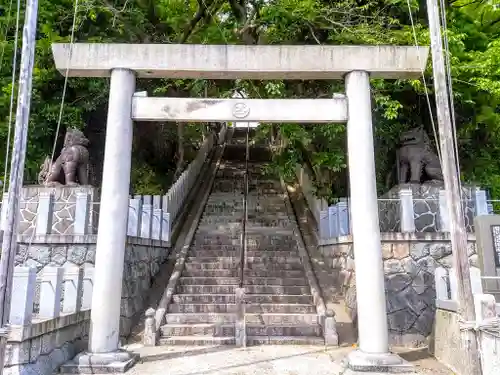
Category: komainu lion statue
[416,161]
[71,167]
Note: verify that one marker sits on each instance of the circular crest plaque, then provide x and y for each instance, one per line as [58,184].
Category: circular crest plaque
[240,110]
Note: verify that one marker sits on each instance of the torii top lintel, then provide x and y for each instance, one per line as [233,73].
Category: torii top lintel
[240,61]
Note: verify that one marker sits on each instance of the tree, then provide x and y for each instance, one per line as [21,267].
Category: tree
[162,150]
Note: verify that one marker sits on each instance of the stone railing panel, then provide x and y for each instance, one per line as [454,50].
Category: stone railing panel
[447,287]
[406,208]
[50,284]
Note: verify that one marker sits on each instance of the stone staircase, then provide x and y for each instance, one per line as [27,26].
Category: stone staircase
[203,309]
[280,308]
[279,304]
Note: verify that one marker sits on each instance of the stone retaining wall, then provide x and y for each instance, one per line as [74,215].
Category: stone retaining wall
[409,263]
[143,258]
[42,347]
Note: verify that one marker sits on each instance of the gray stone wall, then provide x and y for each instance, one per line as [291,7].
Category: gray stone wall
[55,251]
[409,264]
[143,259]
[44,348]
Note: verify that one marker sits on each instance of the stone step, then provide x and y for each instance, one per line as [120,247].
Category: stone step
[207,238]
[203,329]
[212,273]
[251,246]
[251,256]
[255,262]
[251,289]
[295,281]
[250,308]
[192,266]
[197,340]
[235,272]
[215,247]
[270,319]
[197,318]
[194,263]
[250,298]
[209,280]
[285,340]
[201,253]
[284,330]
[283,308]
[202,308]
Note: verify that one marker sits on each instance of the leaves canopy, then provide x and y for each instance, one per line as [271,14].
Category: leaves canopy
[474,44]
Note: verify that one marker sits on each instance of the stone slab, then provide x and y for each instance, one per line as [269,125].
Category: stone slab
[194,61]
[233,110]
[100,363]
[385,363]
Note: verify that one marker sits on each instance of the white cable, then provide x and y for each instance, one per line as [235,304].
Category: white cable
[68,61]
[438,148]
[12,93]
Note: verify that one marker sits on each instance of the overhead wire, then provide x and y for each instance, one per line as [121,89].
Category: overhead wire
[66,75]
[426,90]
[12,93]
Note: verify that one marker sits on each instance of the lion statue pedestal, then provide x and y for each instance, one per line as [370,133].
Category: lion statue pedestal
[426,206]
[62,204]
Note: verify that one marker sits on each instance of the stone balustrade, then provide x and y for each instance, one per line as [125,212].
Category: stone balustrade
[75,210]
[49,317]
[55,291]
[152,217]
[402,211]
[448,344]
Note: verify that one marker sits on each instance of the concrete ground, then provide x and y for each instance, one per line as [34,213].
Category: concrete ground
[259,360]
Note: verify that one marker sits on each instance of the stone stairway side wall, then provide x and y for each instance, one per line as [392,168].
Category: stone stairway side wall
[143,259]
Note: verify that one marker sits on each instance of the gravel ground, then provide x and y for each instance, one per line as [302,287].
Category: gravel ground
[259,360]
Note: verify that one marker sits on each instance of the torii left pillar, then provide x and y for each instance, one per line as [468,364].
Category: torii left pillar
[104,354]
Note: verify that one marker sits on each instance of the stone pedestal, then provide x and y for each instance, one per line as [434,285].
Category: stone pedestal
[59,210]
[428,206]
[100,363]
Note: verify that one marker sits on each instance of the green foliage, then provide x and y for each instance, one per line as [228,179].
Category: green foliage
[474,43]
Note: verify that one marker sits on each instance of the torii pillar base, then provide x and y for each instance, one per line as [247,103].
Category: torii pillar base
[360,362]
[100,363]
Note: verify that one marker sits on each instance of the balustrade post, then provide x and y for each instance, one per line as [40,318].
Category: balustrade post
[23,295]
[88,287]
[406,211]
[50,292]
[146,217]
[73,278]
[44,213]
[82,213]
[343,217]
[480,202]
[444,221]
[3,218]
[134,217]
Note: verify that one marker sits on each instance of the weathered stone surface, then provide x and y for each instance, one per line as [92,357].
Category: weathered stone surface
[63,209]
[143,259]
[409,284]
[44,354]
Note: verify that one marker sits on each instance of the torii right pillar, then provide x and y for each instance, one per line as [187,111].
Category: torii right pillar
[373,354]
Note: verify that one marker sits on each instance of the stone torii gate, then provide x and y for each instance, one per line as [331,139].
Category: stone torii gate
[124,63]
